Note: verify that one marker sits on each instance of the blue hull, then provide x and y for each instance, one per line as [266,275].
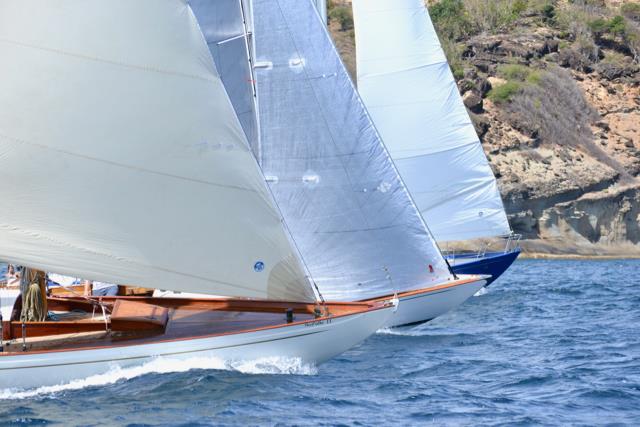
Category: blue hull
[493,263]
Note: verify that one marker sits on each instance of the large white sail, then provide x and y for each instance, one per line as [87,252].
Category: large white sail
[122,159]
[335,183]
[409,90]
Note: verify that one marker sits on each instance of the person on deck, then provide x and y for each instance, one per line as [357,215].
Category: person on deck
[100,289]
[13,277]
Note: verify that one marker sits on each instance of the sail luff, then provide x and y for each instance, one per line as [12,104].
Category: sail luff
[408,87]
[126,162]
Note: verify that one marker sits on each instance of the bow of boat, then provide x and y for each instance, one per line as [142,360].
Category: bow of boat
[424,304]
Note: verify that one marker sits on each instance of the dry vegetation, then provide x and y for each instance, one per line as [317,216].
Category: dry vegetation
[587,36]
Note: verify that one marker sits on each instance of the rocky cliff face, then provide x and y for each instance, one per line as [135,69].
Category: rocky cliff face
[554,91]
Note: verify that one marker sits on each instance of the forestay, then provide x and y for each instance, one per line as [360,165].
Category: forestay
[329,171]
[408,87]
[122,158]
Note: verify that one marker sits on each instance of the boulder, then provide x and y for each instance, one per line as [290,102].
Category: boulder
[480,123]
[465,85]
[612,71]
[483,86]
[473,101]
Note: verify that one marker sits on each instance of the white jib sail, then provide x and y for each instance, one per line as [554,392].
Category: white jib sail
[409,90]
[121,158]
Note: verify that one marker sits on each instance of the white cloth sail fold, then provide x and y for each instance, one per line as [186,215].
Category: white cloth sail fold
[409,90]
[122,159]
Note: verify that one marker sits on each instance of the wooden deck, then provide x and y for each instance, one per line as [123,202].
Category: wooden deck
[141,322]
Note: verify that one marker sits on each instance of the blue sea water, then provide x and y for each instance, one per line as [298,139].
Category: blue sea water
[550,343]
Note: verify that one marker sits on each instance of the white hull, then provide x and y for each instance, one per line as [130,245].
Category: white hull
[312,342]
[7,299]
[425,305]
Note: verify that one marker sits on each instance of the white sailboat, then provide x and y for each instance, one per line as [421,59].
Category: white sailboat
[124,162]
[408,88]
[344,202]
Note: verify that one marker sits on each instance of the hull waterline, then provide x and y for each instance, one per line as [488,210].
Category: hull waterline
[423,305]
[312,342]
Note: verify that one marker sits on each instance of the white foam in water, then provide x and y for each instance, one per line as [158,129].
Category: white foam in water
[409,331]
[160,365]
[481,292]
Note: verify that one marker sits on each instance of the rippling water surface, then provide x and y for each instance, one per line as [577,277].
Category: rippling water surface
[552,342]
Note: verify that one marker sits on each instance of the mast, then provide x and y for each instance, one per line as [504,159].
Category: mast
[249,46]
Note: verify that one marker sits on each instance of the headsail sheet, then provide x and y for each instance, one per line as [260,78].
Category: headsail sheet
[122,158]
[409,90]
[328,169]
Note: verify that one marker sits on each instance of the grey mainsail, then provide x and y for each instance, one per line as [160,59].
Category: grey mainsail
[340,194]
[225,25]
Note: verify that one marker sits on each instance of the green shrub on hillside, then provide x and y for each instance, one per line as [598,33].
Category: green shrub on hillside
[519,73]
[514,72]
[548,11]
[450,18]
[504,92]
[455,19]
[615,26]
[518,77]
[496,15]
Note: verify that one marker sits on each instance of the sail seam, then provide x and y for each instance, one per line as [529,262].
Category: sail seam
[120,165]
[148,68]
[388,227]
[11,228]
[466,145]
[417,55]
